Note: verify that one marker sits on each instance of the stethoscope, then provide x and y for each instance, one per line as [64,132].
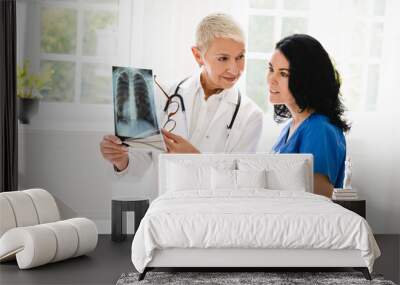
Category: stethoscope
[180,98]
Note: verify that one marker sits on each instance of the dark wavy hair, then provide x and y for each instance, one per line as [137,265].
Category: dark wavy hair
[313,80]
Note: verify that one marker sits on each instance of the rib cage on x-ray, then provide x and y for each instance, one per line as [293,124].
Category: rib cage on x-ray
[142,99]
[122,96]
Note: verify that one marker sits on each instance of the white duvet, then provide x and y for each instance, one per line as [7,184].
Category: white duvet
[250,219]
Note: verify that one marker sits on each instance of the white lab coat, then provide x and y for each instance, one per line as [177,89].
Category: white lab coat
[243,137]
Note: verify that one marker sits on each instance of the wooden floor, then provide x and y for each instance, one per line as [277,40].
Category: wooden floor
[111,259]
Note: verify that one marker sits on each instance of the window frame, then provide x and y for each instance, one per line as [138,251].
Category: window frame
[279,12]
[77,115]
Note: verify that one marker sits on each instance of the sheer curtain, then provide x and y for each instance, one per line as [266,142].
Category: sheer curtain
[163,32]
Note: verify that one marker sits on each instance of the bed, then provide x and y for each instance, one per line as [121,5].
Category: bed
[246,211]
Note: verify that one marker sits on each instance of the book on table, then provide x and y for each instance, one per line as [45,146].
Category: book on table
[344,194]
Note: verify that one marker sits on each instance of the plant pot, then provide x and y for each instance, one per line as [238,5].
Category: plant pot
[27,107]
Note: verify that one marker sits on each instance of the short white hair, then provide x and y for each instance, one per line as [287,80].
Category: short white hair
[217,25]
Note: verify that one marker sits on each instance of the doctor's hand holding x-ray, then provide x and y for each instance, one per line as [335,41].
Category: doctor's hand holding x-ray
[212,115]
[177,144]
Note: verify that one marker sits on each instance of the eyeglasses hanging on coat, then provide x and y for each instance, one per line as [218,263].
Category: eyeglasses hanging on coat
[172,105]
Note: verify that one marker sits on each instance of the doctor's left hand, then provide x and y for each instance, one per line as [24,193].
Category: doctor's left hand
[177,144]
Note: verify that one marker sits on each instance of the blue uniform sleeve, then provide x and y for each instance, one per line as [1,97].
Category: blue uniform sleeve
[327,145]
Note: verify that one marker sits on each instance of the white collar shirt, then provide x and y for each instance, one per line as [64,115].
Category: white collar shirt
[202,115]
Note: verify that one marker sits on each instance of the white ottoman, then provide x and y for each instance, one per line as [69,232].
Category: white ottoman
[31,230]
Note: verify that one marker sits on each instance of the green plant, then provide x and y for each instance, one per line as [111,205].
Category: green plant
[29,85]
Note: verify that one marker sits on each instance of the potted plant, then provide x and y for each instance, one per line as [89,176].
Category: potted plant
[29,89]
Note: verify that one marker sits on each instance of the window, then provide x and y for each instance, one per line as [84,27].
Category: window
[79,43]
[351,31]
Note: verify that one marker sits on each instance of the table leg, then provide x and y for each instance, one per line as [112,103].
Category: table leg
[118,221]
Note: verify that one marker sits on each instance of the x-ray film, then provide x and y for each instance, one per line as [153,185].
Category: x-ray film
[135,115]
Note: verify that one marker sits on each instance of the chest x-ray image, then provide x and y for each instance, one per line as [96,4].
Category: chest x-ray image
[135,117]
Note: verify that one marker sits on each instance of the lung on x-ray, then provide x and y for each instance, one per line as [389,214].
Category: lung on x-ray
[135,116]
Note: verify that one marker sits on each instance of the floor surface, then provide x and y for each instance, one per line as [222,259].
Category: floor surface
[111,259]
[103,266]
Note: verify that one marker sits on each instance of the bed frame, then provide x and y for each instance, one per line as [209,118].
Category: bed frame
[255,259]
[250,259]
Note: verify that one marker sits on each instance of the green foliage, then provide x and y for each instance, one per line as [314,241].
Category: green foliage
[28,83]
[62,85]
[58,30]
[94,21]
[59,36]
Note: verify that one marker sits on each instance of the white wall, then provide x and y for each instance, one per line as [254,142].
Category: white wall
[373,144]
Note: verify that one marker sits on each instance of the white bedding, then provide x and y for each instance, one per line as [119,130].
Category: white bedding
[250,219]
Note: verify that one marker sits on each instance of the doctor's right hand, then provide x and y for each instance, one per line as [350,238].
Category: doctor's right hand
[112,150]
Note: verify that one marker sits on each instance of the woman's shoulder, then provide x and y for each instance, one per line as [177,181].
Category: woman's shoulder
[318,119]
[320,135]
[319,124]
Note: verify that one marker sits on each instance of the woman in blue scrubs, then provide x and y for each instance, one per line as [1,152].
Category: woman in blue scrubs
[304,88]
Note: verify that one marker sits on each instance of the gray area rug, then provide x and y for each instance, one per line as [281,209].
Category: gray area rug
[228,278]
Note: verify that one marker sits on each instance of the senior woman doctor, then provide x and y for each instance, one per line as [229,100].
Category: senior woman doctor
[218,118]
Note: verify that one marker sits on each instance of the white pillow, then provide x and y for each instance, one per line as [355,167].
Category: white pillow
[290,179]
[251,178]
[227,179]
[183,177]
[282,172]
[223,179]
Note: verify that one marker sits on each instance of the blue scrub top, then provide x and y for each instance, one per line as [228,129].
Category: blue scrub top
[325,141]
